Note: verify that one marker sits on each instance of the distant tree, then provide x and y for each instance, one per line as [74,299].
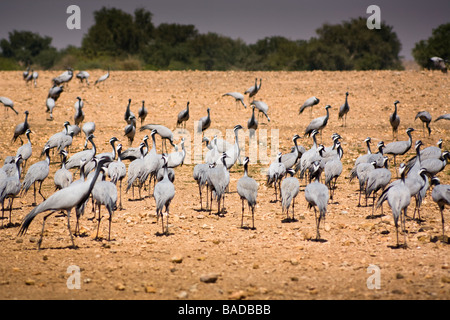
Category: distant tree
[117,33]
[351,45]
[438,45]
[25,46]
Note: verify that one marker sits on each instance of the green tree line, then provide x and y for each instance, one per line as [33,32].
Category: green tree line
[124,41]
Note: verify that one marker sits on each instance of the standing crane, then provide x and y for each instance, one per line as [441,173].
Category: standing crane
[247,188]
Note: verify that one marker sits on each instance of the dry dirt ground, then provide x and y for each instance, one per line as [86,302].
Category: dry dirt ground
[275,261]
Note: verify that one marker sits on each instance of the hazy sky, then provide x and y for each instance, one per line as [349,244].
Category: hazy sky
[249,20]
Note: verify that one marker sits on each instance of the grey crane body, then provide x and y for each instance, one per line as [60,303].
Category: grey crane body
[55,92]
[218,179]
[176,159]
[317,196]
[204,122]
[306,158]
[25,150]
[431,152]
[105,193]
[10,187]
[318,123]
[262,108]
[183,116]
[63,177]
[130,129]
[443,117]
[377,179]
[434,166]
[290,187]
[394,120]
[134,153]
[142,112]
[425,117]
[275,174]
[79,113]
[164,132]
[200,176]
[128,113]
[117,172]
[290,159]
[21,128]
[343,110]
[88,155]
[164,192]
[102,78]
[135,171]
[309,103]
[83,76]
[8,103]
[441,196]
[50,103]
[247,188]
[233,153]
[252,123]
[63,78]
[88,129]
[74,196]
[152,161]
[37,172]
[108,156]
[332,170]
[238,97]
[253,90]
[397,148]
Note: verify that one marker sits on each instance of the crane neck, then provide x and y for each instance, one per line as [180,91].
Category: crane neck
[246,169]
[114,149]
[368,147]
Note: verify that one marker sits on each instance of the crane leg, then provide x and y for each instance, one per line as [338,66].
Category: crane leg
[42,231]
[242,216]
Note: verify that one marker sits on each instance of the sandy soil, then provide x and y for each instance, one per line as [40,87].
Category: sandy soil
[275,261]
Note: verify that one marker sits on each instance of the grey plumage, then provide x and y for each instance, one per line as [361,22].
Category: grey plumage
[79,113]
[63,177]
[377,179]
[218,179]
[238,97]
[317,196]
[50,104]
[247,188]
[200,176]
[434,166]
[290,187]
[102,78]
[63,78]
[164,192]
[343,110]
[397,148]
[134,153]
[87,155]
[443,117]
[275,174]
[108,156]
[117,172]
[74,196]
[333,169]
[262,108]
[8,103]
[105,193]
[290,159]
[252,123]
[88,129]
[37,172]
[25,150]
[233,153]
[55,92]
[21,128]
[83,76]
[204,122]
[394,120]
[130,129]
[128,113]
[164,132]
[309,103]
[183,116]
[441,196]
[318,123]
[425,117]
[142,112]
[10,187]
[135,172]
[253,90]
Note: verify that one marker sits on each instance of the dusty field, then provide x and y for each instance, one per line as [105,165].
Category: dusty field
[275,261]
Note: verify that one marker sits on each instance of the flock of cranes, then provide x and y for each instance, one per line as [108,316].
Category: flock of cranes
[101,174]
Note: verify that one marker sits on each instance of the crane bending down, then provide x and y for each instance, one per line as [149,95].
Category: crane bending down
[74,196]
